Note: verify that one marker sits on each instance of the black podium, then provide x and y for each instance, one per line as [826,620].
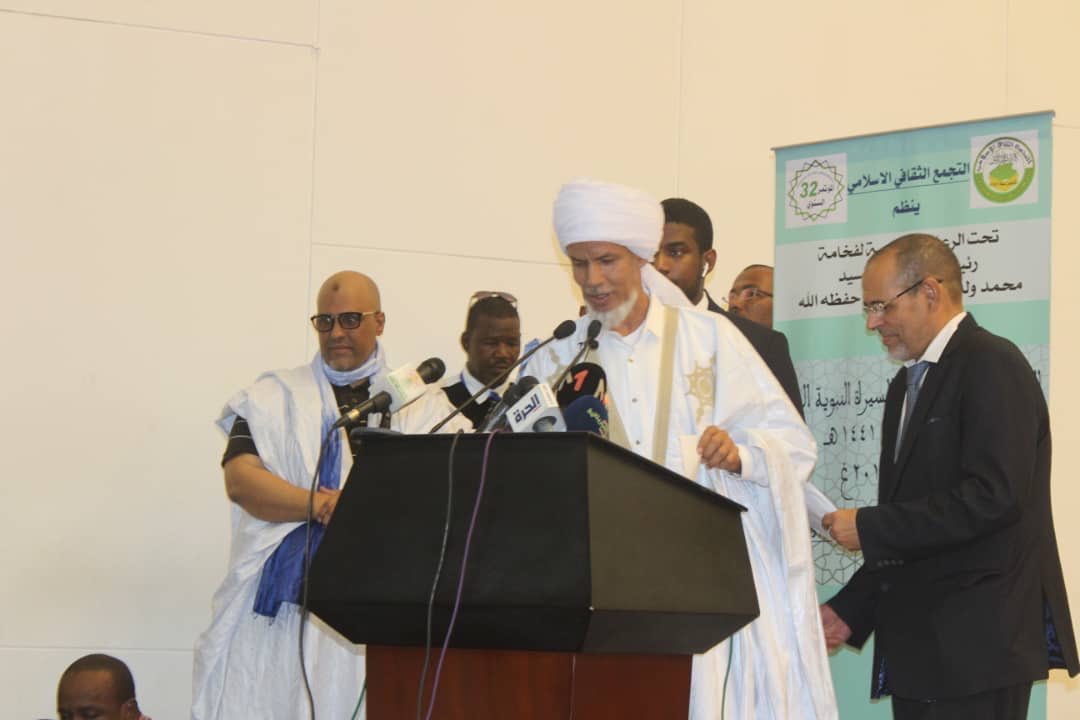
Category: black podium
[588,565]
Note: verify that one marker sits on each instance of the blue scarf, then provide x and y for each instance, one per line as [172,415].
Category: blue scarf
[282,575]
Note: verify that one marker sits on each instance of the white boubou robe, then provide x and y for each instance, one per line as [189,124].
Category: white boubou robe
[247,665]
[779,666]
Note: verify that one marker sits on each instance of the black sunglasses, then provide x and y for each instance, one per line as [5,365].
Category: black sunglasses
[324,322]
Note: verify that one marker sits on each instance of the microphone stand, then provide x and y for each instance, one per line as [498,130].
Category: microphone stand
[487,387]
[590,343]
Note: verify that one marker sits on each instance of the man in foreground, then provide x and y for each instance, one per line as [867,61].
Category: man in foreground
[750,444]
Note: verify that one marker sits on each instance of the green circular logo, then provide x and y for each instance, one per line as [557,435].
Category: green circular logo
[1004,169]
[816,190]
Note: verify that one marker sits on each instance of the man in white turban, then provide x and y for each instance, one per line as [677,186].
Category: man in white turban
[687,390]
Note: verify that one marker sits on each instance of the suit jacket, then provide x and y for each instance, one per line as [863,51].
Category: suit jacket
[961,578]
[772,346]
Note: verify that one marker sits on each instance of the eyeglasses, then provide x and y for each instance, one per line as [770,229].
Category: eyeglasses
[324,322]
[485,294]
[880,307]
[747,294]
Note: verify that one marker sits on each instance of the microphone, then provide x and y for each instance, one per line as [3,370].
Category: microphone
[537,411]
[582,380]
[587,414]
[592,333]
[497,416]
[395,390]
[590,342]
[563,330]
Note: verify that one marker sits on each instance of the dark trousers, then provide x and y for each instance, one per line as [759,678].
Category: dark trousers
[1010,703]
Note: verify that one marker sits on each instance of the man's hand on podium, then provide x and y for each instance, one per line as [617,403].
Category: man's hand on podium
[325,502]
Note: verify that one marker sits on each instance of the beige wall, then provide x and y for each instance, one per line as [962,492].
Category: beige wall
[176,179]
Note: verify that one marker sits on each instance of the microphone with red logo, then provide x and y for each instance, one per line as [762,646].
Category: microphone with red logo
[591,334]
[582,395]
[581,380]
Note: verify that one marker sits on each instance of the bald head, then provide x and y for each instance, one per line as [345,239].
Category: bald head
[919,255]
[350,292]
[358,286]
[911,290]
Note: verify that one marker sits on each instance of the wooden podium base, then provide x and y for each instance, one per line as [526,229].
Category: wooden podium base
[521,685]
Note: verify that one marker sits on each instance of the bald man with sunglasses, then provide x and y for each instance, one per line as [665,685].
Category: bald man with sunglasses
[246,663]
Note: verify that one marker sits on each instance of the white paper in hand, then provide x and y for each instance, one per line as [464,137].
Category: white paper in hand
[817,504]
[691,461]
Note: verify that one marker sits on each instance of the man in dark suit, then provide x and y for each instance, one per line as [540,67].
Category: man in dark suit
[686,256]
[492,342]
[961,581]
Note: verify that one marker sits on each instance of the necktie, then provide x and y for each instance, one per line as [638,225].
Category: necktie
[914,382]
[488,403]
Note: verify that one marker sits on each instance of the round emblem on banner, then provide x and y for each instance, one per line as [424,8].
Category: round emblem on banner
[1004,169]
[816,190]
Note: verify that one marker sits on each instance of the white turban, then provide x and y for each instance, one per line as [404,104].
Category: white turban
[588,210]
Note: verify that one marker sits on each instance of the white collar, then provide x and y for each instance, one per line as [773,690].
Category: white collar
[652,324]
[472,385]
[937,345]
[703,303]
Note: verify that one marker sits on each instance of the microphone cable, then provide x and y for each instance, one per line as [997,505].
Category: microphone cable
[461,577]
[307,568]
[360,702]
[438,574]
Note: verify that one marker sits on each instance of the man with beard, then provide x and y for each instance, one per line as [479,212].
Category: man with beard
[961,582]
[492,343]
[674,376]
